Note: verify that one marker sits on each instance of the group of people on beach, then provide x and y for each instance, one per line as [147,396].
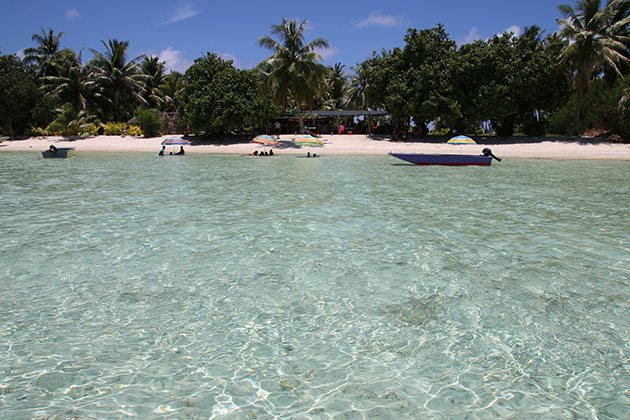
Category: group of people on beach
[262,153]
[163,151]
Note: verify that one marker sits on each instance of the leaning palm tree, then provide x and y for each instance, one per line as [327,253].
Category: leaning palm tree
[598,40]
[120,81]
[44,55]
[293,71]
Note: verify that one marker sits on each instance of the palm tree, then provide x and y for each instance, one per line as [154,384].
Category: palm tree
[598,40]
[358,96]
[293,72]
[73,84]
[119,80]
[359,86]
[153,68]
[72,122]
[337,86]
[46,52]
[172,85]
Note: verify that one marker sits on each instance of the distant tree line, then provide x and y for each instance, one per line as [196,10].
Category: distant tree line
[563,83]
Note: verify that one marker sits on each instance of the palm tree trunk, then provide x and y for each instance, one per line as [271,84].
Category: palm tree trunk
[582,88]
[577,121]
[10,128]
[300,117]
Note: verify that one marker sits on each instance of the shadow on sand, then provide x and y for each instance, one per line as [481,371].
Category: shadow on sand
[490,140]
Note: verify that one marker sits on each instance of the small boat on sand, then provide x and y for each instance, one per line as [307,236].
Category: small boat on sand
[61,152]
[448,159]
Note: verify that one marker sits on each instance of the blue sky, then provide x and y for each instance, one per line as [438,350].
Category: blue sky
[179,31]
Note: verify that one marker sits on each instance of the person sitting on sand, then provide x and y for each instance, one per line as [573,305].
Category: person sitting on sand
[255,153]
[162,151]
[308,154]
[181,151]
[52,149]
[270,152]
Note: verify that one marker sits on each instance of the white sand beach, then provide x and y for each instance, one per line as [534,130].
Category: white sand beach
[343,145]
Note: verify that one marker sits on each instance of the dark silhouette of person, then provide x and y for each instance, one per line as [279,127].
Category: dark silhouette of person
[277,128]
[181,151]
[162,151]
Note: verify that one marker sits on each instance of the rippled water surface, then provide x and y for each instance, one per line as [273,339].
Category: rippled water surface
[345,287]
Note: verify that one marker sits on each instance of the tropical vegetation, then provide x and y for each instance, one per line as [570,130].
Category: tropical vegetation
[537,84]
[293,74]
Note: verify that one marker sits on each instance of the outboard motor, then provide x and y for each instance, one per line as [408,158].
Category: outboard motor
[488,152]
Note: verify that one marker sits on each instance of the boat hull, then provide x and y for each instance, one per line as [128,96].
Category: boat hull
[444,159]
[62,152]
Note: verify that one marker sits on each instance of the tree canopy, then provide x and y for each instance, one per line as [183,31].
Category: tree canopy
[533,83]
[219,98]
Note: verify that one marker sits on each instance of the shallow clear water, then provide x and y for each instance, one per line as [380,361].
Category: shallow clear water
[354,287]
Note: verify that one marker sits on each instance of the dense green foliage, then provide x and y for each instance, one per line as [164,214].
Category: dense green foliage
[530,83]
[19,96]
[511,82]
[599,42]
[219,98]
[149,121]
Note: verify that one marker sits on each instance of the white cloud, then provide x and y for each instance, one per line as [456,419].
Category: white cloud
[185,10]
[472,36]
[174,59]
[229,56]
[72,14]
[20,54]
[378,19]
[514,29]
[326,53]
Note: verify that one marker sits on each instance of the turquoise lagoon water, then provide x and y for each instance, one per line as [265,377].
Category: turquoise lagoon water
[347,287]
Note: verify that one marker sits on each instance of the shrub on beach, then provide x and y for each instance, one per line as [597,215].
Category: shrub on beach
[149,121]
[38,132]
[134,131]
[114,129]
[90,130]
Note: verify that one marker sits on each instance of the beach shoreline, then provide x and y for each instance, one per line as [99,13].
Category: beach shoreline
[359,145]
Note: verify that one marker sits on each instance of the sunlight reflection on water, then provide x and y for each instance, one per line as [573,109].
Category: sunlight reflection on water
[227,285]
